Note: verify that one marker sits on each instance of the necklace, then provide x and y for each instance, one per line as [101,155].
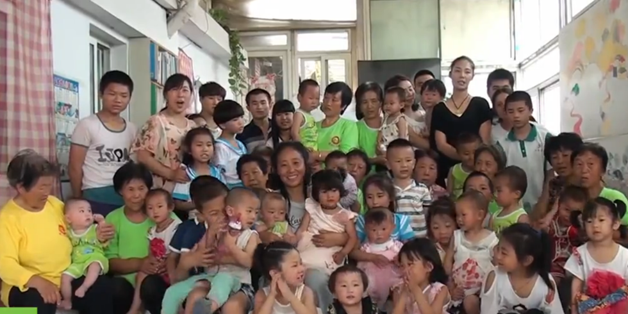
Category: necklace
[457,110]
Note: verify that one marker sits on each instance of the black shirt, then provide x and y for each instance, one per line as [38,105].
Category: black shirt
[252,136]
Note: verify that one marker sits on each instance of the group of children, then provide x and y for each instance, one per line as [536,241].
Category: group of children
[498,237]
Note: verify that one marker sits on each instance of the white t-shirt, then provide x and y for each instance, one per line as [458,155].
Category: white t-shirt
[582,264]
[501,296]
[166,234]
[107,150]
[226,158]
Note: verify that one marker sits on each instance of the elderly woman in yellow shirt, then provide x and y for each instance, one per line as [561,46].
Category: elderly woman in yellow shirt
[34,246]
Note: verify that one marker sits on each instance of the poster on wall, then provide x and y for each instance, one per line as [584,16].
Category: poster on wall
[66,118]
[186,67]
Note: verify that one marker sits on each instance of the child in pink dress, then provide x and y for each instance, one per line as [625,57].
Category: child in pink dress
[324,213]
[382,273]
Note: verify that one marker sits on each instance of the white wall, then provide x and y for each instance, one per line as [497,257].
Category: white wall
[206,67]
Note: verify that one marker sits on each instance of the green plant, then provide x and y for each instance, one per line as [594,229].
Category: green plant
[237,78]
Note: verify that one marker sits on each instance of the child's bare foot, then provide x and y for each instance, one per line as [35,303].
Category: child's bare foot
[65,305]
[80,292]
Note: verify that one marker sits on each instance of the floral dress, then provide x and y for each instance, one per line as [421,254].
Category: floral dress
[163,139]
[472,261]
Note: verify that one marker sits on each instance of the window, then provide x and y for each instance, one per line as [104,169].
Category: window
[263,41]
[99,61]
[323,41]
[341,10]
[550,108]
[576,6]
[536,23]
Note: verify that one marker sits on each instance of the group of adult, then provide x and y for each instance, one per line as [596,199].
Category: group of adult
[33,277]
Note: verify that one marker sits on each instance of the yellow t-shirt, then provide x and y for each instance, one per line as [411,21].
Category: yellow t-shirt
[32,243]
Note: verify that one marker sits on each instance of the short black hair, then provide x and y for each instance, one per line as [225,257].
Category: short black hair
[399,143]
[263,151]
[27,167]
[467,138]
[377,216]
[400,92]
[596,149]
[115,77]
[395,80]
[251,158]
[194,116]
[337,154]
[176,81]
[474,174]
[476,197]
[361,91]
[227,110]
[206,188]
[255,92]
[422,73]
[568,141]
[517,179]
[129,172]
[305,84]
[574,193]
[346,94]
[326,180]
[362,155]
[434,85]
[211,89]
[519,96]
[425,153]
[239,194]
[344,270]
[498,75]
[161,192]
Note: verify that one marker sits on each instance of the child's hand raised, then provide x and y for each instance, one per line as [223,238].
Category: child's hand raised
[282,286]
[339,258]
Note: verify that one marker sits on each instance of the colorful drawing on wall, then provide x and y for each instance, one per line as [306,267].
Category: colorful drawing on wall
[66,94]
[186,66]
[617,169]
[594,48]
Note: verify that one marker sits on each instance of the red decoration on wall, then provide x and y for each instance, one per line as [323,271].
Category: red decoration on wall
[186,67]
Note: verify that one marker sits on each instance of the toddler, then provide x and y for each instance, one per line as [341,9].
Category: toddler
[470,253]
[432,93]
[159,206]
[304,128]
[394,124]
[88,256]
[273,217]
[324,213]
[337,160]
[466,145]
[600,266]
[441,219]
[511,185]
[382,273]
[426,172]
[348,285]
[220,281]
[424,289]
[198,151]
[281,265]
[482,183]
[522,257]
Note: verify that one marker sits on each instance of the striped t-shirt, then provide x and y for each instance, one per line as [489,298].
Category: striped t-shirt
[413,201]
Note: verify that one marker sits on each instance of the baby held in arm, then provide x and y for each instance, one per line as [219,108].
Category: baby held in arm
[273,218]
[88,256]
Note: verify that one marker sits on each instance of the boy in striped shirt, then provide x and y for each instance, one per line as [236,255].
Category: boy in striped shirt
[412,197]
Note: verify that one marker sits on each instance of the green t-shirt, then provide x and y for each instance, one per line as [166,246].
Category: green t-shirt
[342,135]
[367,138]
[614,195]
[130,240]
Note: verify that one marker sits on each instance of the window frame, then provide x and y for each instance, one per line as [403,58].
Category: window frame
[97,70]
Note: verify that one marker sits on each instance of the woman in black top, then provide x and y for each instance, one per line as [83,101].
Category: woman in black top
[462,113]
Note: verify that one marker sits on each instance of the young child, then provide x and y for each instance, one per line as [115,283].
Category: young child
[253,171]
[88,256]
[412,198]
[228,115]
[432,93]
[379,194]
[348,284]
[424,289]
[281,265]
[600,266]
[359,166]
[426,172]
[198,151]
[521,280]
[511,185]
[159,206]
[337,160]
[324,213]
[469,256]
[383,274]
[394,125]
[273,217]
[441,219]
[100,145]
[482,183]
[466,145]
[524,146]
[211,290]
[210,94]
[304,127]
[489,160]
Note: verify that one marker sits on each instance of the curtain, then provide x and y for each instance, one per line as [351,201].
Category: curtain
[26,86]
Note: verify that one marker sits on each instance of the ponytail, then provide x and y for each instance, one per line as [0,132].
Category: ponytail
[543,261]
[269,257]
